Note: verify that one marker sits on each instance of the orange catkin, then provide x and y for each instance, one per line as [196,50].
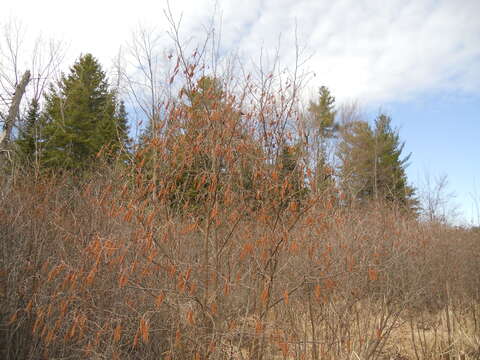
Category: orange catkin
[190,317]
[213,308]
[159,299]
[13,318]
[284,348]
[372,274]
[193,288]
[71,332]
[117,333]
[178,337]
[258,327]
[123,279]
[128,216]
[149,220]
[145,330]
[135,339]
[29,306]
[91,275]
[264,295]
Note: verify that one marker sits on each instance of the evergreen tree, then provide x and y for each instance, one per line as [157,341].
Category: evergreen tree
[120,129]
[204,100]
[82,116]
[391,179]
[321,122]
[291,177]
[323,114]
[371,163]
[27,142]
[185,153]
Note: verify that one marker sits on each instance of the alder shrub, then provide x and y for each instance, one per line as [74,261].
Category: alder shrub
[98,270]
[209,244]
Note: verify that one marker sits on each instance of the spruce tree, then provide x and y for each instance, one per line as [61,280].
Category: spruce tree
[27,142]
[323,114]
[82,116]
[205,98]
[392,181]
[372,166]
[184,154]
[291,177]
[321,122]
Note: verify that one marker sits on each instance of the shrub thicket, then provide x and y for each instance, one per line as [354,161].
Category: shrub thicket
[211,244]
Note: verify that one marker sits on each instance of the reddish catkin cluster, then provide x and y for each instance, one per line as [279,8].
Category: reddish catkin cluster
[178,284]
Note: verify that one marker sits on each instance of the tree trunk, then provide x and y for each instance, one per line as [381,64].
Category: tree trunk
[13,111]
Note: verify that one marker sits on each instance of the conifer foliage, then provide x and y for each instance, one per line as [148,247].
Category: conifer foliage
[82,115]
[27,141]
[372,167]
[322,127]
[323,111]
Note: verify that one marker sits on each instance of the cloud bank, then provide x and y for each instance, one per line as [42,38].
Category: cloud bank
[375,51]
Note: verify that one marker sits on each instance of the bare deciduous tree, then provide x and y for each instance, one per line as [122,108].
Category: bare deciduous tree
[25,69]
[436,200]
[13,110]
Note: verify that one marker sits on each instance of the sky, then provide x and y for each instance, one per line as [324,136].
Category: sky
[418,61]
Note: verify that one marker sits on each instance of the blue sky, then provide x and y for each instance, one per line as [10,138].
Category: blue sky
[418,60]
[442,132]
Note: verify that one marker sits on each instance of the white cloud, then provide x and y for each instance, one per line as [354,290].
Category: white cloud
[377,50]
[374,51]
